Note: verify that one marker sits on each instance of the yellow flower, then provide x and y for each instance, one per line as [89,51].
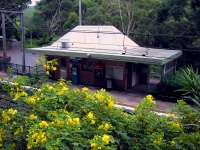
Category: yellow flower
[92,121]
[69,120]
[12,111]
[42,137]
[76,120]
[171,115]
[29,146]
[38,61]
[47,72]
[105,126]
[90,115]
[73,122]
[100,97]
[48,67]
[43,124]
[106,138]
[149,96]
[102,90]
[1,132]
[150,99]
[15,83]
[34,135]
[53,68]
[6,118]
[14,123]
[93,146]
[17,96]
[24,94]
[19,130]
[59,123]
[32,116]
[31,100]
[176,123]
[64,89]
[37,138]
[157,141]
[110,103]
[50,88]
[173,142]
[85,89]
[11,93]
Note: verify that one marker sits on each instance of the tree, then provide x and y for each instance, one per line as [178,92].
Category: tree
[14,4]
[180,17]
[71,22]
[50,13]
[135,14]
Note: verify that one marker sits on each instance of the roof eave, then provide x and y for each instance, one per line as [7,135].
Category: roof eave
[172,57]
[115,57]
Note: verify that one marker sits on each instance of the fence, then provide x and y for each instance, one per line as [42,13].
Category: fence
[17,69]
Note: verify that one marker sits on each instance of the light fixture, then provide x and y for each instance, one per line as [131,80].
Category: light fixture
[124,52]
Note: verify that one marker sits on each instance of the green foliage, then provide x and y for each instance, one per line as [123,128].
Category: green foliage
[10,73]
[191,116]
[22,80]
[40,75]
[155,71]
[14,4]
[57,117]
[190,82]
[28,15]
[169,86]
[30,44]
[72,21]
[46,40]
[196,43]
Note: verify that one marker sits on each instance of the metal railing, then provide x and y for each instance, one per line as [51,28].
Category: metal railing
[17,69]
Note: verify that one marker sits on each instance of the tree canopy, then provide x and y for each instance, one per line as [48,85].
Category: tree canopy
[14,4]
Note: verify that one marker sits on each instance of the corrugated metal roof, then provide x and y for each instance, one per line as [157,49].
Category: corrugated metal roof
[105,42]
[96,38]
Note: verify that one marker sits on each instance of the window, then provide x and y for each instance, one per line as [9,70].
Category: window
[118,73]
[87,65]
[114,72]
[109,72]
[63,62]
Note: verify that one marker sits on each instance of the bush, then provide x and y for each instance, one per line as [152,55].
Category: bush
[46,40]
[57,117]
[190,83]
[168,87]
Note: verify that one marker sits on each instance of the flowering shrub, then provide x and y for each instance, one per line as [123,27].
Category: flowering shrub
[57,117]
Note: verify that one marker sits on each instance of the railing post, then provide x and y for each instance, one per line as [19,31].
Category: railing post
[29,70]
[17,68]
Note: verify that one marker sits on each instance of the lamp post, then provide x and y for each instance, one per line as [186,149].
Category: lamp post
[80,21]
[3,34]
[22,41]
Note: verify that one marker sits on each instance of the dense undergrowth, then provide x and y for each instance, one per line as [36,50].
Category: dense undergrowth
[57,117]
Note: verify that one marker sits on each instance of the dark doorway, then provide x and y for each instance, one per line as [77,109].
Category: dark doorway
[143,70]
[129,74]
